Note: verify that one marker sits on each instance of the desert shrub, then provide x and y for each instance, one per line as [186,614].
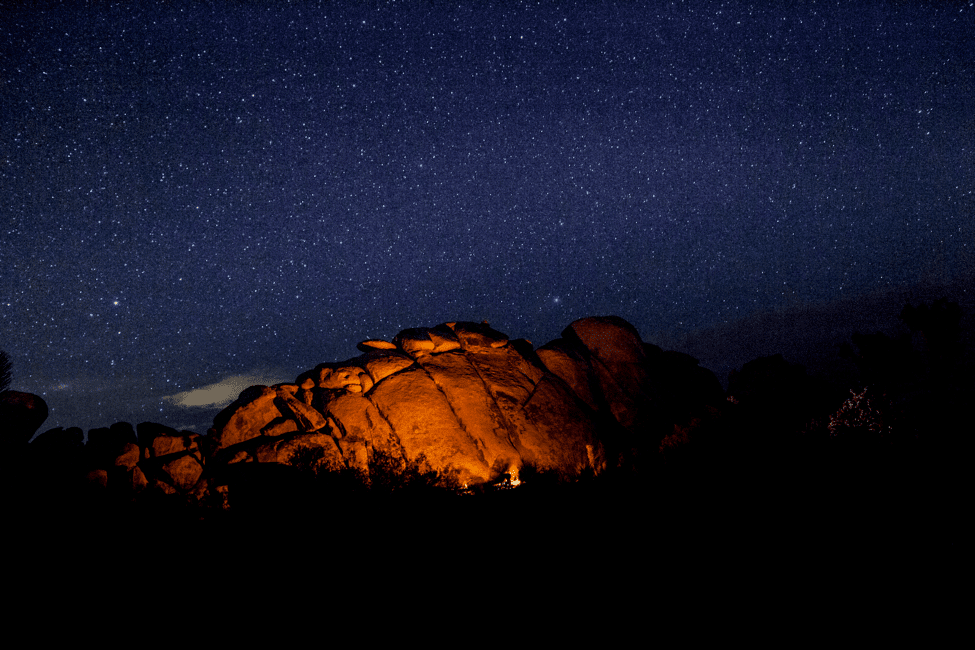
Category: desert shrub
[539,478]
[325,479]
[308,460]
[6,368]
[862,415]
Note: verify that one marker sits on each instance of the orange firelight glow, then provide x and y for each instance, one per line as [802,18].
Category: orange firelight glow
[515,481]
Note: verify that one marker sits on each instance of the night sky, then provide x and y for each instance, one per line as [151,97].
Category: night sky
[229,193]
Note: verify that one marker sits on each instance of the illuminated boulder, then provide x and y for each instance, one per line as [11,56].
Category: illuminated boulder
[181,473]
[460,396]
[158,440]
[258,411]
[472,404]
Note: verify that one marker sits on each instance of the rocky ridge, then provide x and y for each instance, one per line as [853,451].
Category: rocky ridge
[460,395]
[459,398]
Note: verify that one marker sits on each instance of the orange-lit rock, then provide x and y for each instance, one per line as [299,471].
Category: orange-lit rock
[444,339]
[469,401]
[135,480]
[172,461]
[604,361]
[458,394]
[383,364]
[564,433]
[572,367]
[415,342]
[307,418]
[182,472]
[423,422]
[164,445]
[97,477]
[358,419]
[128,456]
[457,377]
[373,344]
[477,335]
[255,410]
[281,450]
[461,397]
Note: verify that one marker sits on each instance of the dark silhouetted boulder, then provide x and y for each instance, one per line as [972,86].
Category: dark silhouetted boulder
[107,445]
[684,385]
[639,391]
[21,415]
[774,401]
[59,442]
[55,460]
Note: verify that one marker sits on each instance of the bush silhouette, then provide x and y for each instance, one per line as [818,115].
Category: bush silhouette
[389,474]
[5,371]
[863,415]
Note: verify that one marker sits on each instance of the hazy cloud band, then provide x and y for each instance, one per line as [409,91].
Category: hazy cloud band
[223,392]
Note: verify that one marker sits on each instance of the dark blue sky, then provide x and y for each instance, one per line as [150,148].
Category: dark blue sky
[196,193]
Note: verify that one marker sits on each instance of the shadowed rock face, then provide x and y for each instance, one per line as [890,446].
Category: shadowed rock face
[461,395]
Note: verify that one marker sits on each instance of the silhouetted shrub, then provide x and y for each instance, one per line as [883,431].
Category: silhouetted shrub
[6,368]
[539,478]
[309,460]
[328,482]
[387,474]
[390,474]
[862,415]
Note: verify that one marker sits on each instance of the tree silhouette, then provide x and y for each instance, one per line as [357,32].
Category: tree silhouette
[5,371]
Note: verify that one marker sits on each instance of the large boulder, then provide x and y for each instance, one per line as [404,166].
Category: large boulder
[459,398]
[253,413]
[639,391]
[21,415]
[602,359]
[59,443]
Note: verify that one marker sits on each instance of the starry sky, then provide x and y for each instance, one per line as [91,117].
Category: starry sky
[198,197]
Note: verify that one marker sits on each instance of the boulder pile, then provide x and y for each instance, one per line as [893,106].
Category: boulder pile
[459,398]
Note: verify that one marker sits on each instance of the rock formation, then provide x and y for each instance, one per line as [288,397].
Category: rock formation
[459,399]
[459,395]
[471,403]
